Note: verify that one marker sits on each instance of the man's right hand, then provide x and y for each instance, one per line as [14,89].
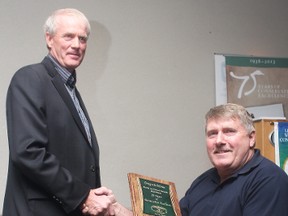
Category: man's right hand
[99,203]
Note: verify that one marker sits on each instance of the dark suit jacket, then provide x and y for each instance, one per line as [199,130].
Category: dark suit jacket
[52,166]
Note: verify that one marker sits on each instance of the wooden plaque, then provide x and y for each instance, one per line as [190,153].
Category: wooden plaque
[151,196]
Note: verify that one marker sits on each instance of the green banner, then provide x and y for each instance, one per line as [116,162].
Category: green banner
[283,145]
[247,61]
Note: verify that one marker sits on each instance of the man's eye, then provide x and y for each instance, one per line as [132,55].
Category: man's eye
[83,39]
[211,133]
[68,37]
[229,131]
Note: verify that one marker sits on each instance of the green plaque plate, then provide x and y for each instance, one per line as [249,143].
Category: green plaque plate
[151,196]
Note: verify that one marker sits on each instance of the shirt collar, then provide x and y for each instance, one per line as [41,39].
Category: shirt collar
[68,77]
[254,162]
[248,167]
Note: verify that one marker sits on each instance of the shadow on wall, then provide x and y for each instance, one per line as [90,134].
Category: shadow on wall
[96,57]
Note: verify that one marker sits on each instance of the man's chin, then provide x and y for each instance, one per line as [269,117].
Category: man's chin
[222,163]
[72,65]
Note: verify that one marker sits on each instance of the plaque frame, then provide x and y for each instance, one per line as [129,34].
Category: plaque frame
[138,197]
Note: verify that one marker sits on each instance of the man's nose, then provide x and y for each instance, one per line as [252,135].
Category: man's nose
[220,138]
[76,42]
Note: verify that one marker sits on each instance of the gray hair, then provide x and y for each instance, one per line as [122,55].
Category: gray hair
[50,25]
[233,111]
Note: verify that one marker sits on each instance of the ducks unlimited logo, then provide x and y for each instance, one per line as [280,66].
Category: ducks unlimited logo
[159,211]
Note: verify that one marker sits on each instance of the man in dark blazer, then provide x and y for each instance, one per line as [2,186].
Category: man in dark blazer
[54,155]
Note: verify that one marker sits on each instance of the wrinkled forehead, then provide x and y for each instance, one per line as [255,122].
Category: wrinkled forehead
[66,20]
[222,120]
[225,117]
[63,19]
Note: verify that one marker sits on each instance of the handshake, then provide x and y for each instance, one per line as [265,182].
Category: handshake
[102,202]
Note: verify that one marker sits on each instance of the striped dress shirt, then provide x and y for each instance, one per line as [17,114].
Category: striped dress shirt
[69,80]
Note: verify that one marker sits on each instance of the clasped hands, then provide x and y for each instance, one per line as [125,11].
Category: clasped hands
[99,202]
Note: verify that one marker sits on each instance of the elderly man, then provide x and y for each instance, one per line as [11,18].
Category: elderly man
[54,155]
[242,182]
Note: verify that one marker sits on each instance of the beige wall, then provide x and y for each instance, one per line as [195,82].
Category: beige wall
[148,77]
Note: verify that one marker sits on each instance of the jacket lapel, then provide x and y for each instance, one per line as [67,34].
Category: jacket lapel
[59,85]
[93,136]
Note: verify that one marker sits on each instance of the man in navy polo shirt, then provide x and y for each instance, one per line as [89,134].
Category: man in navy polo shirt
[242,182]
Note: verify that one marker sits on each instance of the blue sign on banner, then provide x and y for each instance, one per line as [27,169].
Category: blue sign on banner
[281,144]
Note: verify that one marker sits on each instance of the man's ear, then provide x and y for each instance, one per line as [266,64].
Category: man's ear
[252,137]
[49,40]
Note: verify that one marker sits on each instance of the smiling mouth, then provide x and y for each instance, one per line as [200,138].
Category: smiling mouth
[221,151]
[74,54]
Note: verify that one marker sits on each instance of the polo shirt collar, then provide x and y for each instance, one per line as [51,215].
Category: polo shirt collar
[254,162]
[250,165]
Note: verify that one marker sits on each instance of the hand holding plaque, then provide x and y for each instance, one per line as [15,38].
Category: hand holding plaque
[150,196]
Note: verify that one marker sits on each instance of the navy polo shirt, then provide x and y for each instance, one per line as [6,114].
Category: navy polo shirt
[258,188]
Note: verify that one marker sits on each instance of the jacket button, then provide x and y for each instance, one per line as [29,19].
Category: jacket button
[92,168]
